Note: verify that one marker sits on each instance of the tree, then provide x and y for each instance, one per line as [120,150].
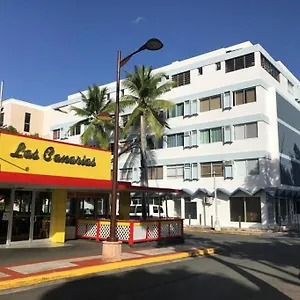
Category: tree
[10,128]
[97,131]
[146,90]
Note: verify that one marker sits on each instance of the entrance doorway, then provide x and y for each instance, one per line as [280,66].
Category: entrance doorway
[4,213]
[22,207]
[26,217]
[41,220]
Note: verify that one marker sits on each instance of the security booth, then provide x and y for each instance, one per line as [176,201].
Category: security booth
[38,179]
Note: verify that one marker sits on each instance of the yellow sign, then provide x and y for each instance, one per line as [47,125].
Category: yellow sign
[22,154]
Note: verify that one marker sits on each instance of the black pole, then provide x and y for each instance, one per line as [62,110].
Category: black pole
[113,214]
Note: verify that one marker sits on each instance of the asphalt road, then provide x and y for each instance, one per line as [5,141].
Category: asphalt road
[248,268]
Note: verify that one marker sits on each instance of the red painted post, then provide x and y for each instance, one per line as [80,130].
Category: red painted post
[98,231]
[131,233]
[159,229]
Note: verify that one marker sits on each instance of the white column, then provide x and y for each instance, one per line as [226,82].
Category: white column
[10,216]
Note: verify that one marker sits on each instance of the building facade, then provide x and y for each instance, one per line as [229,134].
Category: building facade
[234,142]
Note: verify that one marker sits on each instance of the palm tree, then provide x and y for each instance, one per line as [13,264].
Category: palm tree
[97,131]
[145,94]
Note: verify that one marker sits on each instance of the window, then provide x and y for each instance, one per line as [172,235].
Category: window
[155,173]
[194,138]
[227,134]
[270,68]
[187,139]
[208,169]
[175,171]
[241,62]
[218,66]
[244,96]
[175,140]
[56,134]
[187,108]
[176,111]
[187,174]
[27,122]
[195,171]
[108,96]
[247,167]
[126,174]
[227,100]
[245,209]
[210,103]
[228,172]
[153,143]
[213,135]
[183,78]
[194,107]
[1,119]
[290,88]
[200,71]
[75,130]
[122,92]
[124,119]
[245,131]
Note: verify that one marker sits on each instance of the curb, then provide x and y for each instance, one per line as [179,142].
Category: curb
[58,275]
[226,232]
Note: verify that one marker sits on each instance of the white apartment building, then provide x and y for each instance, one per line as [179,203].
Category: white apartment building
[234,142]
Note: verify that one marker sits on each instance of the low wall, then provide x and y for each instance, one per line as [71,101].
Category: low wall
[131,231]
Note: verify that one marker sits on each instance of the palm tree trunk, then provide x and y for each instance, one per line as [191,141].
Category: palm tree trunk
[144,169]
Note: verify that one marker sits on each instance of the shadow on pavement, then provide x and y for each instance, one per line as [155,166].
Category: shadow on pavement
[176,283]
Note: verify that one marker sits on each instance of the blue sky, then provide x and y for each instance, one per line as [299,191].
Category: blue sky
[50,49]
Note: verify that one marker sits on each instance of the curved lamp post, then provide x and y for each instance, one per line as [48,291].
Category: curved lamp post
[112,247]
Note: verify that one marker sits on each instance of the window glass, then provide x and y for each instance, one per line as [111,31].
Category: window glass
[251,130]
[239,132]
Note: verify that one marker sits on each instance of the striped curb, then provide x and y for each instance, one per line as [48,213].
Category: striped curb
[58,275]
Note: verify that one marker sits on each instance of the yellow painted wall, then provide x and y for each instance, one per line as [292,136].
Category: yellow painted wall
[58,216]
[124,205]
[9,144]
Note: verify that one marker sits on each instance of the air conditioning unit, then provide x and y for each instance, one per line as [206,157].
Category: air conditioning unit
[208,200]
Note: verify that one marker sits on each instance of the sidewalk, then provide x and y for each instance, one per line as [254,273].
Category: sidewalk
[20,275]
[233,231]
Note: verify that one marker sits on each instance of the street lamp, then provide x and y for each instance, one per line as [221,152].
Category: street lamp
[111,250]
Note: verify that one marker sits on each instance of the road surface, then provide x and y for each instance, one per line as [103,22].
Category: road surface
[249,268]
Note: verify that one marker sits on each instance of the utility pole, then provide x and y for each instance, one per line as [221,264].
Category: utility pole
[217,223]
[1,99]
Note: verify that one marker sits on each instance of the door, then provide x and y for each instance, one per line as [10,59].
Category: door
[22,208]
[4,214]
[41,220]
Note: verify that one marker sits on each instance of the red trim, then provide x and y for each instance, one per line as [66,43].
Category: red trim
[131,229]
[52,141]
[73,182]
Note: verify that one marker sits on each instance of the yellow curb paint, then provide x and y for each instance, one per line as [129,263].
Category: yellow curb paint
[224,232]
[36,279]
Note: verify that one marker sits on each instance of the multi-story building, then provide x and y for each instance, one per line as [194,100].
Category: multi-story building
[234,142]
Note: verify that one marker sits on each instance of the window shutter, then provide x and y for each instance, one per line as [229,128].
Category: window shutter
[195,174]
[227,134]
[194,138]
[228,171]
[187,172]
[227,100]
[187,139]
[187,108]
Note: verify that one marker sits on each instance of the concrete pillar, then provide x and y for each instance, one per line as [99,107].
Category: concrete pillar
[124,205]
[58,216]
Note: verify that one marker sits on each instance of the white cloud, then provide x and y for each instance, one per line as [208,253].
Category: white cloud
[138,20]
